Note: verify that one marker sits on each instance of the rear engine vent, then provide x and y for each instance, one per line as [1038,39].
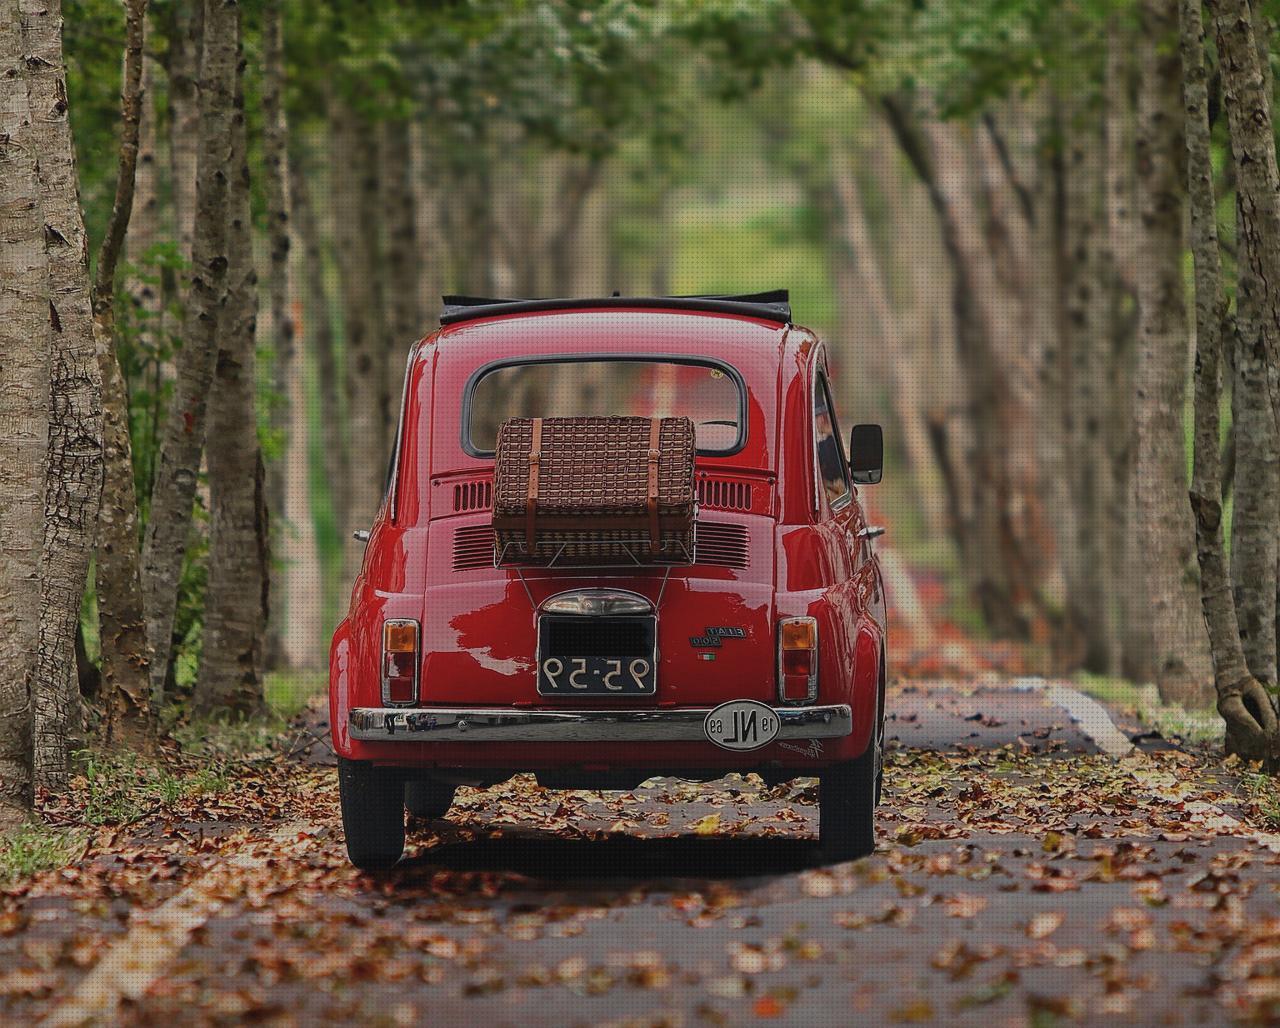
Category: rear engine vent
[719,545]
[473,547]
[724,494]
[722,545]
[477,495]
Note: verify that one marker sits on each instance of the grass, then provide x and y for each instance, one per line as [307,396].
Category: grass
[30,849]
[122,787]
[1171,720]
[1263,791]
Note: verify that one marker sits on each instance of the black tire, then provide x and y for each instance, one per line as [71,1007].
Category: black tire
[847,807]
[427,799]
[372,814]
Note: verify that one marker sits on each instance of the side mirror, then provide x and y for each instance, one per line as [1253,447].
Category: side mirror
[866,454]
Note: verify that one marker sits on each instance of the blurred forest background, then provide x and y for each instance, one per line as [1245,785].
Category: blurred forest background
[984,206]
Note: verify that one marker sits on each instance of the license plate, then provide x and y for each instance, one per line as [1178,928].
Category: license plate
[582,656]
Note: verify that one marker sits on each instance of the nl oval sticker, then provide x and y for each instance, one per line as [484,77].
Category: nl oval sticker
[741,725]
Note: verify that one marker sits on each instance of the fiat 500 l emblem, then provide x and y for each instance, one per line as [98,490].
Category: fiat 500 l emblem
[741,725]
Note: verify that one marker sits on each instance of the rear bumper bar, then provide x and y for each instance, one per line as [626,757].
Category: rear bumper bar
[502,724]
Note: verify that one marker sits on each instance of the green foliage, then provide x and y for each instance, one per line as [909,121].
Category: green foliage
[121,787]
[30,849]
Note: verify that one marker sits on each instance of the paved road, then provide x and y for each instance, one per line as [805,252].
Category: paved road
[1023,878]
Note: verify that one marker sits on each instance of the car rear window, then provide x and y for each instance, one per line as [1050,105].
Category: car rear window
[708,393]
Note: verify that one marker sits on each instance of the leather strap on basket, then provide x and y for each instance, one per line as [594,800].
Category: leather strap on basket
[655,436]
[531,499]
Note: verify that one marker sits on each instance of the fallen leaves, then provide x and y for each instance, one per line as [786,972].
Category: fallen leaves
[1044,924]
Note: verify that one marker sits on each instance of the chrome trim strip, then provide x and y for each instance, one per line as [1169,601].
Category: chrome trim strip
[504,724]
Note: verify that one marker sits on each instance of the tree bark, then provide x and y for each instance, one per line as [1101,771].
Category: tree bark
[125,658]
[405,319]
[1177,658]
[1254,158]
[1089,469]
[1242,701]
[1014,566]
[74,469]
[1121,311]
[235,612]
[185,33]
[184,432]
[871,282]
[318,332]
[1256,507]
[356,217]
[275,157]
[24,416]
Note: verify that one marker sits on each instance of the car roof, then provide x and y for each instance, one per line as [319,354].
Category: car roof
[774,305]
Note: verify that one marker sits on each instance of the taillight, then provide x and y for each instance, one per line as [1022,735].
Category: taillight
[400,662]
[798,660]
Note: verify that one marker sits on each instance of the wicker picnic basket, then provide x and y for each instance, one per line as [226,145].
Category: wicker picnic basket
[594,491]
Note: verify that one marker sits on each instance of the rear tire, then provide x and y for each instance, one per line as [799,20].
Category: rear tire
[372,813]
[847,807]
[428,799]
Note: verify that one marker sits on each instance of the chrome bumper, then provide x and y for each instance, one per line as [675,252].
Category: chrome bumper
[502,724]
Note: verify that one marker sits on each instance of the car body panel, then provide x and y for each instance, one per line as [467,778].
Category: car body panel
[786,553]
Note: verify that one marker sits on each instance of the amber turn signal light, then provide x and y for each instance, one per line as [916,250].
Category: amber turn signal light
[400,662]
[400,636]
[798,660]
[799,634]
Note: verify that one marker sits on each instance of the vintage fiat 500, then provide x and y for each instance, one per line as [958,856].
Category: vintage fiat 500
[761,650]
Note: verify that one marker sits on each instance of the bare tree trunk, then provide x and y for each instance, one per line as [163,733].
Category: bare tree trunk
[1242,700]
[235,608]
[1121,311]
[871,282]
[125,659]
[405,319]
[1177,656]
[302,645]
[74,483]
[426,213]
[186,34]
[1015,566]
[355,189]
[318,331]
[275,156]
[1256,508]
[24,417]
[1089,469]
[179,460]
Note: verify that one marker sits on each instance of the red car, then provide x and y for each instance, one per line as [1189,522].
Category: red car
[765,653]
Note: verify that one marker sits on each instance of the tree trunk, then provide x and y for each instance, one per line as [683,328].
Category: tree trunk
[426,212]
[125,659]
[1177,658]
[871,282]
[1014,569]
[1121,312]
[184,432]
[74,483]
[24,417]
[275,157]
[1256,509]
[318,331]
[1089,468]
[405,319]
[1243,702]
[235,608]
[182,69]
[354,159]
